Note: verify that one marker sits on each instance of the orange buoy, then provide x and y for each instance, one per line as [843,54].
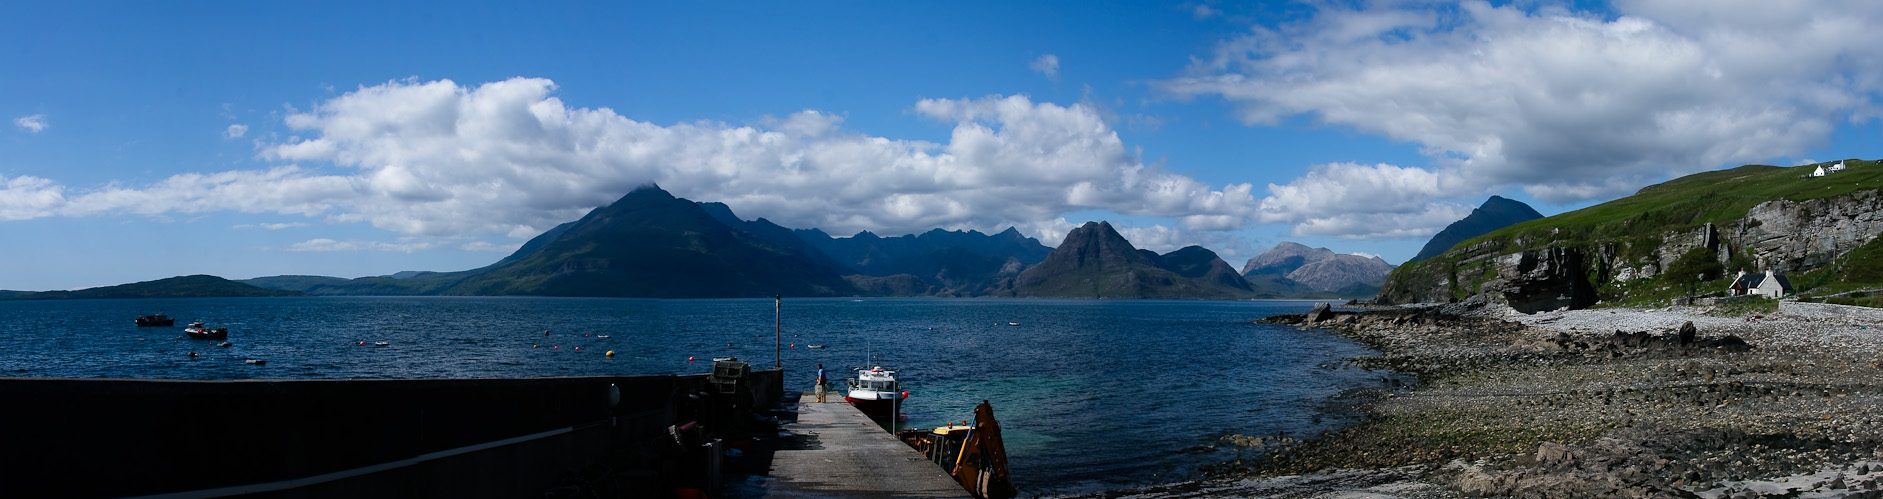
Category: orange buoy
[610,353]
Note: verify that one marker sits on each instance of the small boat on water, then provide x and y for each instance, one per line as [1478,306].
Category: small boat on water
[876,392]
[200,332]
[817,346]
[158,320]
[972,453]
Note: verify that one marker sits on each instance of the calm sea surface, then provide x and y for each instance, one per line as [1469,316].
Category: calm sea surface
[1091,394]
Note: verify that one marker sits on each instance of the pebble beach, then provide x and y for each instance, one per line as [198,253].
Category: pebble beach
[1712,402]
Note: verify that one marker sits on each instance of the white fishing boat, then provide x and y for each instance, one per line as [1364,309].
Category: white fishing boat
[876,392]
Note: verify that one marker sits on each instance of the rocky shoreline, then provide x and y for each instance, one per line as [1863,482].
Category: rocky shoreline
[1678,402]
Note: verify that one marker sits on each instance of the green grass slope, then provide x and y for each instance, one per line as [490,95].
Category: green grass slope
[1634,225]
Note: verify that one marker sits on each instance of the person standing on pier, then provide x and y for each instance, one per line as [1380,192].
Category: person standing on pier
[820,383]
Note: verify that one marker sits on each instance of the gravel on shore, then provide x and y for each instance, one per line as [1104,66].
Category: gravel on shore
[1673,402]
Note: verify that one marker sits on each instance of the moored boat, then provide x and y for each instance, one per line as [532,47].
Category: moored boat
[876,392]
[158,320]
[972,453]
[200,332]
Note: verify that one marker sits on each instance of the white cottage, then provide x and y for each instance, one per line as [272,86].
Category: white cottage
[1819,172]
[1835,168]
[1769,285]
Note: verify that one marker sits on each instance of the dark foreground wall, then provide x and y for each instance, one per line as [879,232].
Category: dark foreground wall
[353,438]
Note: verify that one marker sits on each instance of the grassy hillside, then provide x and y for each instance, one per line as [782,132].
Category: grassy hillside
[1717,197]
[1635,226]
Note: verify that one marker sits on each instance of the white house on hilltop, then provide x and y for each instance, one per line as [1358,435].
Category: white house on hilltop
[1835,168]
[1819,172]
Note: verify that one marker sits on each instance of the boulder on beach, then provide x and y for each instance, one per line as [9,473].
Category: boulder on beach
[1320,313]
[1687,332]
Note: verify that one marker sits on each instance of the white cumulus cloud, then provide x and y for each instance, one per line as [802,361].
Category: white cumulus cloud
[34,123]
[1567,106]
[489,246]
[443,160]
[273,226]
[235,131]
[324,245]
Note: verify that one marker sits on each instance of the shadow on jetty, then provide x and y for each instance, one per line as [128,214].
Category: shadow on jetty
[632,436]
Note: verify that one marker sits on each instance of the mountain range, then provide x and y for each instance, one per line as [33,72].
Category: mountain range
[651,244]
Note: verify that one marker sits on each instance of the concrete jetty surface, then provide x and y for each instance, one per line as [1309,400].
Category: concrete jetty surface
[833,450]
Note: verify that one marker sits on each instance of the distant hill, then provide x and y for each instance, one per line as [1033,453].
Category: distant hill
[1284,258]
[870,254]
[1343,271]
[1202,265]
[192,286]
[1293,270]
[1495,213]
[1094,261]
[651,244]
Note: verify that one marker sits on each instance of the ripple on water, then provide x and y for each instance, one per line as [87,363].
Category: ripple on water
[1091,394]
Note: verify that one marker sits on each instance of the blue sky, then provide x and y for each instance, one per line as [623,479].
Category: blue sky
[150,139]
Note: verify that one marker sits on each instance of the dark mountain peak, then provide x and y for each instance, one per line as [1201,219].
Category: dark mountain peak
[1099,239]
[1094,260]
[1501,204]
[1192,251]
[812,234]
[866,235]
[1496,213]
[652,244]
[1197,262]
[1011,233]
[647,193]
[720,212]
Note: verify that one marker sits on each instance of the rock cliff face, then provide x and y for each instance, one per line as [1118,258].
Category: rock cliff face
[1782,235]
[1793,236]
[1529,281]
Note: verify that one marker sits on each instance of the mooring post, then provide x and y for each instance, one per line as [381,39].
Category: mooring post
[778,328]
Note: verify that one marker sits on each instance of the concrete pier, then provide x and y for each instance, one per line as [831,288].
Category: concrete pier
[833,450]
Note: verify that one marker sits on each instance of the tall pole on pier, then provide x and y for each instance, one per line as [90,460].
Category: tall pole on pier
[778,329]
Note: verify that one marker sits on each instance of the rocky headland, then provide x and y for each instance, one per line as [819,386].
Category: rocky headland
[1772,400]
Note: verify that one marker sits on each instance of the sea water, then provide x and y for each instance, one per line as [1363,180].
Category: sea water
[1090,394]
